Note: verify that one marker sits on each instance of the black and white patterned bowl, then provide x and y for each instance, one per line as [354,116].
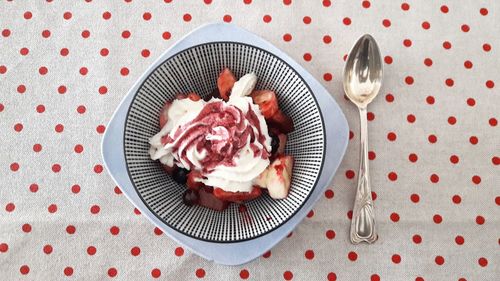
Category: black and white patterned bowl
[192,65]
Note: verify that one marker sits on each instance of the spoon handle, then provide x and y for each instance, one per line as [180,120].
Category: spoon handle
[363,217]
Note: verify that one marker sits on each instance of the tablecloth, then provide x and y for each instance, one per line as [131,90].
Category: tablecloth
[433,129]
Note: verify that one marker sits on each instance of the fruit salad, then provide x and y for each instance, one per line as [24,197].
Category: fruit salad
[228,147]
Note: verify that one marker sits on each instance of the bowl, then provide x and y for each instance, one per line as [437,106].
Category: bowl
[236,235]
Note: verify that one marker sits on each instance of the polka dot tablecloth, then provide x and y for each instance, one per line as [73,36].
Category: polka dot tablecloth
[434,139]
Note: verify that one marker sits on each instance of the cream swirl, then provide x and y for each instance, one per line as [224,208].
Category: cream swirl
[227,142]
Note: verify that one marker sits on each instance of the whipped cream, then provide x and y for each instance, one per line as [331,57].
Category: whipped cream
[228,142]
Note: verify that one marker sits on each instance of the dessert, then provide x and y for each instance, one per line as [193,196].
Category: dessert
[228,147]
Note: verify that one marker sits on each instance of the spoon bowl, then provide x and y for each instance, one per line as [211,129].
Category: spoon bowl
[363,71]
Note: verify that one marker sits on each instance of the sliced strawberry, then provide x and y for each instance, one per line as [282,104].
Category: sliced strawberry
[208,200]
[192,182]
[194,97]
[225,83]
[164,114]
[281,147]
[261,180]
[169,170]
[279,176]
[282,122]
[267,102]
[237,197]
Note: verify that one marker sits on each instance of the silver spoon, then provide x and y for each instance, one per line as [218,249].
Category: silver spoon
[362,80]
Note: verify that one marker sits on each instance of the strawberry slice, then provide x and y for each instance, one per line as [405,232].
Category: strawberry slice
[193,97]
[267,102]
[208,200]
[279,176]
[225,83]
[237,197]
[192,183]
[164,114]
[281,147]
[281,122]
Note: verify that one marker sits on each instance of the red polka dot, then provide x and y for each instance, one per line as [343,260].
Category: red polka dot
[426,25]
[14,167]
[6,33]
[27,15]
[307,20]
[452,120]
[386,22]
[26,228]
[156,273]
[179,251]
[456,199]
[10,207]
[64,52]
[135,251]
[112,272]
[106,15]
[227,18]
[33,187]
[486,47]
[346,21]
[389,98]
[483,262]
[61,89]
[437,218]
[439,260]
[85,34]
[136,211]
[495,160]
[391,136]
[247,2]
[459,240]
[392,176]
[103,90]
[372,155]
[454,159]
[98,169]
[351,135]
[200,273]
[52,208]
[352,256]
[21,89]
[186,17]
[46,33]
[124,71]
[267,254]
[78,148]
[480,220]
[91,250]
[349,174]
[24,51]
[396,258]
[43,70]
[307,57]
[84,70]
[492,121]
[490,84]
[126,34]
[166,35]
[388,59]
[329,194]
[374,277]
[394,217]
[366,4]
[326,3]
[374,195]
[309,254]
[330,234]
[430,100]
[24,270]
[476,179]
[146,16]
[434,178]
[468,64]
[428,62]
[40,108]
[370,116]
[413,157]
[465,28]
[288,275]
[331,276]
[18,127]
[81,109]
[287,37]
[114,230]
[104,52]
[267,18]
[3,69]
[70,229]
[56,168]
[407,43]
[447,45]
[95,209]
[417,239]
[4,248]
[432,138]
[67,15]
[327,77]
[118,191]
[473,140]
[409,80]
[483,11]
[444,9]
[449,82]
[68,271]
[349,214]
[415,198]
[75,188]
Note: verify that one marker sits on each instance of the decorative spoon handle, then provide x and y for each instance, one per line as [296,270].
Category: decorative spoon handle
[363,217]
